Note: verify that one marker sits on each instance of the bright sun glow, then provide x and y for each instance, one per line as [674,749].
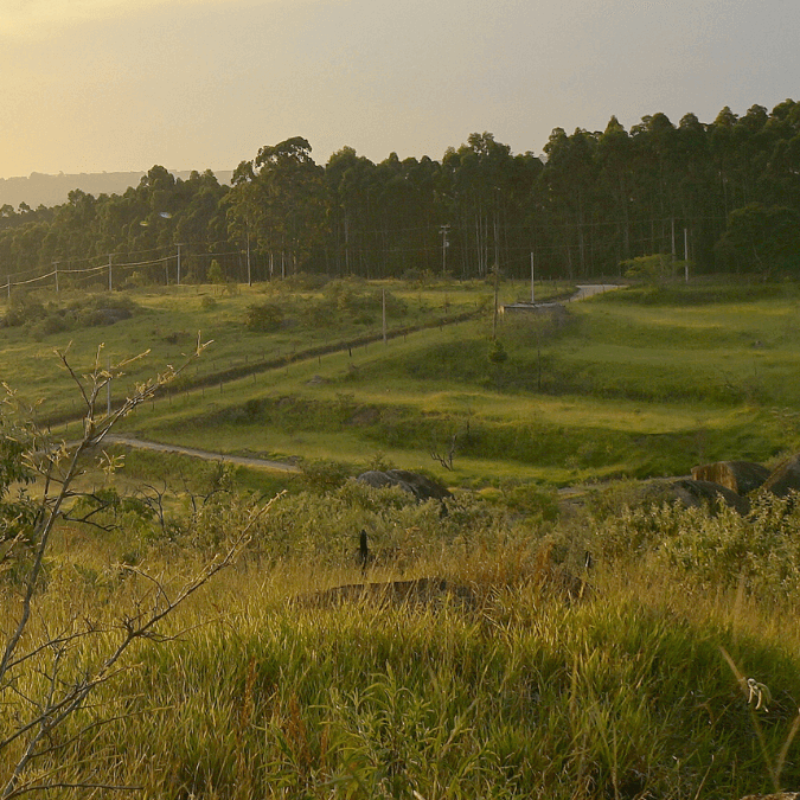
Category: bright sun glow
[37,18]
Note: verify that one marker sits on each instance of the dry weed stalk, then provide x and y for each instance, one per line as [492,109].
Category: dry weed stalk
[758,697]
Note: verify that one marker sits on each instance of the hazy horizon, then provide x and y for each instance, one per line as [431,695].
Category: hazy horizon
[48,190]
[98,86]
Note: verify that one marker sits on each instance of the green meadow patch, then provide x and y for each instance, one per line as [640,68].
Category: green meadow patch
[638,382]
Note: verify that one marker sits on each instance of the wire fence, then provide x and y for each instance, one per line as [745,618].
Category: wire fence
[461,253]
[176,267]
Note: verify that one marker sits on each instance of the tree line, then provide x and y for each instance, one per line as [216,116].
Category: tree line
[724,195]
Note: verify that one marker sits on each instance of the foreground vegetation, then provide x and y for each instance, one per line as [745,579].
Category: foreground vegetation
[520,689]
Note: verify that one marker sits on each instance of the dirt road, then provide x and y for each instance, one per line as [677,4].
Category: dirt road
[257,463]
[590,290]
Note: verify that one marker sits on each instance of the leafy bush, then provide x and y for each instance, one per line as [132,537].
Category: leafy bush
[656,268]
[89,311]
[24,307]
[700,294]
[322,476]
[497,353]
[760,551]
[363,302]
[264,318]
[214,273]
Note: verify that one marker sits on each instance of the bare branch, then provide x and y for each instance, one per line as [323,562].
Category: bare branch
[446,461]
[61,696]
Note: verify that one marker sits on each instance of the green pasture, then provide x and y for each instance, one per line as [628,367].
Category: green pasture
[635,383]
[614,388]
[166,323]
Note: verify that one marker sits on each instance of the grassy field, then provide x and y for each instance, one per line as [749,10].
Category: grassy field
[303,315]
[635,383]
[669,669]
[617,386]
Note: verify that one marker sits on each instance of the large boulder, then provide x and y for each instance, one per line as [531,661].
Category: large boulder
[418,592]
[741,477]
[785,478]
[696,493]
[376,479]
[421,487]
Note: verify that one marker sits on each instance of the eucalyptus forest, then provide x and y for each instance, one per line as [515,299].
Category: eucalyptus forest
[724,196]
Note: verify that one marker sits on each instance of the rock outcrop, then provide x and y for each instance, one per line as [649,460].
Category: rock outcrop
[421,591]
[785,478]
[421,487]
[695,493]
[741,477]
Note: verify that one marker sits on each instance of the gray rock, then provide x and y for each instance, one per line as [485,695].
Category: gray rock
[375,479]
[696,493]
[421,591]
[424,488]
[778,796]
[785,478]
[741,477]
[418,485]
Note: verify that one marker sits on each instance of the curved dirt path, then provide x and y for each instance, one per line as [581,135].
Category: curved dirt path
[589,290]
[205,455]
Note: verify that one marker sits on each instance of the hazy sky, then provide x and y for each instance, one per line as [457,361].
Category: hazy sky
[113,85]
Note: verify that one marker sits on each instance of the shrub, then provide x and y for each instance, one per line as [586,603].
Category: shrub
[264,318]
[214,273]
[760,551]
[24,307]
[497,353]
[90,311]
[321,476]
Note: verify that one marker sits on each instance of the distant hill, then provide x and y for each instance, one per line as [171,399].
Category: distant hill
[52,190]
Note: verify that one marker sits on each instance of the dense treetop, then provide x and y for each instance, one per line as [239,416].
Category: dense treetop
[724,194]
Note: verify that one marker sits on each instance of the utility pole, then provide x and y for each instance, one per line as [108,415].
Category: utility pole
[55,269]
[179,266]
[249,273]
[110,284]
[247,240]
[674,255]
[383,299]
[686,254]
[496,294]
[444,229]
[533,297]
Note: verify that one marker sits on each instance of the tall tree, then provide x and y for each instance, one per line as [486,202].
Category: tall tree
[289,191]
[570,178]
[474,181]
